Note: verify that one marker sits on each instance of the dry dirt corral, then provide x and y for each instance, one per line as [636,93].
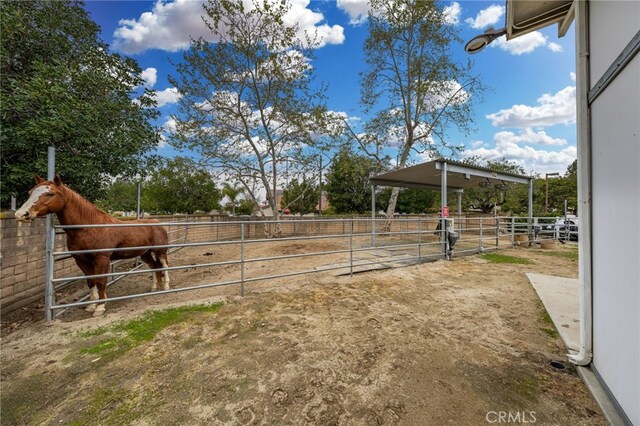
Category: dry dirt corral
[437,343]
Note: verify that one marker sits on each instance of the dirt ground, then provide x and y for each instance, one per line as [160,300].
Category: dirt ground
[436,343]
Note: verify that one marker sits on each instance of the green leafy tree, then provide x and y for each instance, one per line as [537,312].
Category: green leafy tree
[233,193]
[564,188]
[347,182]
[301,197]
[181,186]
[248,104]
[61,87]
[120,195]
[246,207]
[560,189]
[413,82]
[410,201]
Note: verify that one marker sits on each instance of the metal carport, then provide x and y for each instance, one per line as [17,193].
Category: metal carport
[447,175]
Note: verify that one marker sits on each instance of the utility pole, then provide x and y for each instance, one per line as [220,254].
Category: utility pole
[546,190]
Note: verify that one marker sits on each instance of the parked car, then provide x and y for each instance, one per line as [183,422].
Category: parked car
[563,228]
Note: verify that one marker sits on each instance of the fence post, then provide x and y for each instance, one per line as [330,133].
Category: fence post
[497,232]
[419,240]
[351,249]
[481,245]
[49,291]
[186,228]
[50,244]
[513,237]
[535,226]
[373,215]
[242,259]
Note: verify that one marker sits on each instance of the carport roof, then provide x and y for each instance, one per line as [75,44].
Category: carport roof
[459,176]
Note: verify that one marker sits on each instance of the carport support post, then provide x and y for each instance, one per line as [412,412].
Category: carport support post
[460,214]
[530,211]
[373,215]
[242,259]
[49,292]
[443,202]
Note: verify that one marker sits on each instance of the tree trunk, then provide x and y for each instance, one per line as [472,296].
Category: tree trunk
[394,193]
[391,209]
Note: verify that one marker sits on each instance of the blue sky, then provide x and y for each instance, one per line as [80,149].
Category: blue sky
[527,115]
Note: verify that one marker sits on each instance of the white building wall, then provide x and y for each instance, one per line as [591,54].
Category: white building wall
[615,153]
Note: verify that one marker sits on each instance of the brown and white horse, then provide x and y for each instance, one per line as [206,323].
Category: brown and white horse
[72,209]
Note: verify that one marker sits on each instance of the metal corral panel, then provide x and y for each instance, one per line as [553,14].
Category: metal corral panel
[615,121]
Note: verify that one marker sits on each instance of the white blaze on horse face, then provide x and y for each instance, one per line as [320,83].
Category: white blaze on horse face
[23,213]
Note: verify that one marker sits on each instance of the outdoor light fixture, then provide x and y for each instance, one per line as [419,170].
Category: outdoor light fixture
[481,41]
[501,186]
[486,183]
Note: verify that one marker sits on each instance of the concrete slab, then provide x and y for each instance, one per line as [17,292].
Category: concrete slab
[561,299]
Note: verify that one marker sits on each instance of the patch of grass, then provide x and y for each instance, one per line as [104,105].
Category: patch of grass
[90,333]
[571,254]
[109,407]
[503,258]
[551,332]
[546,318]
[125,335]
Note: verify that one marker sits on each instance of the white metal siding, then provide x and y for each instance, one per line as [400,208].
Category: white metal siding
[615,120]
[612,24]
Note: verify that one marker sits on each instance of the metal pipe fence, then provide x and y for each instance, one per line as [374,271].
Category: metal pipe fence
[358,243]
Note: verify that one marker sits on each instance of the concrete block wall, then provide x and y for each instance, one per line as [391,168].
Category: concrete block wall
[23,259]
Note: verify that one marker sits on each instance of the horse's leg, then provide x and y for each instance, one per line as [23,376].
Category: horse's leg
[87,268]
[162,256]
[152,264]
[101,265]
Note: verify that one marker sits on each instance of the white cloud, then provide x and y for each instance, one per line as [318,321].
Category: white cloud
[486,17]
[357,10]
[452,13]
[528,136]
[168,127]
[531,159]
[167,96]
[150,76]
[559,108]
[477,144]
[448,92]
[524,44]
[169,25]
[572,75]
[554,47]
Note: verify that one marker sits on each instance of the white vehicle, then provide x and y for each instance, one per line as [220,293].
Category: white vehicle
[563,228]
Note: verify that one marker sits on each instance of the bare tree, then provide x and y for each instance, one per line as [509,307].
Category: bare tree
[247,103]
[412,82]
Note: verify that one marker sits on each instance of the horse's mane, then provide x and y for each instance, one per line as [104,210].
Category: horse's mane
[86,210]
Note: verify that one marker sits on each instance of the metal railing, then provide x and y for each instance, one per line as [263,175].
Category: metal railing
[358,243]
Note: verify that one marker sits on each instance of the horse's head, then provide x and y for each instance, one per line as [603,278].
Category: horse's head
[44,198]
